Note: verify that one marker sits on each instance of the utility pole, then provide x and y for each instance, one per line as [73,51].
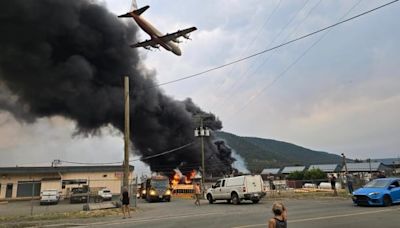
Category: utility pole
[126,135]
[370,168]
[344,163]
[202,150]
[202,132]
[33,193]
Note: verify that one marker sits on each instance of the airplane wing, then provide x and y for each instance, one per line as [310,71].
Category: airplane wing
[145,44]
[179,33]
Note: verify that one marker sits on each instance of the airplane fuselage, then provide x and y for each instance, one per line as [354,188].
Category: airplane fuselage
[155,34]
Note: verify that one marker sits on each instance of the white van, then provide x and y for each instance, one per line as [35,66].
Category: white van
[236,189]
[51,196]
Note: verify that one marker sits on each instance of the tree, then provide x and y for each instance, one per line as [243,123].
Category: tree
[296,175]
[314,174]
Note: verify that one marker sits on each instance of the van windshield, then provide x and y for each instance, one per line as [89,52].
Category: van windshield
[79,190]
[160,183]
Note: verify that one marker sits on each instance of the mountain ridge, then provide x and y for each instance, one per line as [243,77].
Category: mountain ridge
[260,153]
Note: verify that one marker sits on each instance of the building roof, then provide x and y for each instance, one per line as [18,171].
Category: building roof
[326,168]
[291,169]
[364,167]
[62,169]
[388,161]
[271,171]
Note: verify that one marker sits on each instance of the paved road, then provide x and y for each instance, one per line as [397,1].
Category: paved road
[302,213]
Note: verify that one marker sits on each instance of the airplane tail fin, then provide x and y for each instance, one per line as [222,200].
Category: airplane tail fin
[134,5]
[137,12]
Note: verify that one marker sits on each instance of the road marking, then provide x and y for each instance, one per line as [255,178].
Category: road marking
[320,218]
[117,222]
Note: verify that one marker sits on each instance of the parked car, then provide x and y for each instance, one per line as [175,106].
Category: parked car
[79,195]
[382,191]
[50,196]
[236,189]
[104,194]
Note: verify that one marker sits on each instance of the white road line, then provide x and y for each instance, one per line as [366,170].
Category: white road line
[319,218]
[115,222]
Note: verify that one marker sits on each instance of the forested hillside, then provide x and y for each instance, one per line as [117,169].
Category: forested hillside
[261,153]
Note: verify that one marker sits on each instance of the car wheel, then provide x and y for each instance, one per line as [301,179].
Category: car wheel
[210,199]
[387,201]
[235,199]
[255,201]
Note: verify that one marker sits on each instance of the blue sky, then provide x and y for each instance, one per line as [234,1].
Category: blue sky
[342,96]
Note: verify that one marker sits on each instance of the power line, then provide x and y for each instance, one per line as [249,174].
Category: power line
[247,73]
[249,44]
[164,153]
[131,160]
[275,47]
[288,67]
[91,163]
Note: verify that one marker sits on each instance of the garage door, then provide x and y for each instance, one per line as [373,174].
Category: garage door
[28,188]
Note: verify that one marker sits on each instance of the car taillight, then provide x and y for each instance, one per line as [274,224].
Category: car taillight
[244,189]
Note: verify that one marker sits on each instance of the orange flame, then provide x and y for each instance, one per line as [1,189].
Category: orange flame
[178,178]
[189,177]
[175,180]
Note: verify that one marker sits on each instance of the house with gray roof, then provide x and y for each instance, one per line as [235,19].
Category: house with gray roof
[291,169]
[272,171]
[367,170]
[365,167]
[326,168]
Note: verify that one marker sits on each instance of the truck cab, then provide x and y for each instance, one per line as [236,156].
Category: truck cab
[158,189]
[237,189]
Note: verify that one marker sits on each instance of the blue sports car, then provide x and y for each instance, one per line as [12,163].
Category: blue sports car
[383,191]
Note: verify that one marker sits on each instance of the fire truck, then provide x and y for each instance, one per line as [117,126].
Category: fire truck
[157,189]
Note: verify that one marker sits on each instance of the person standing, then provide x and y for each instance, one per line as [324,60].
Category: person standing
[280,216]
[333,184]
[197,194]
[125,202]
[381,174]
[349,179]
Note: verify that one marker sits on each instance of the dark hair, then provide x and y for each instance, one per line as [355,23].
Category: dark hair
[278,208]
[277,211]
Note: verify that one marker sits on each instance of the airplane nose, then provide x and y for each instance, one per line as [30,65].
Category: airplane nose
[177,52]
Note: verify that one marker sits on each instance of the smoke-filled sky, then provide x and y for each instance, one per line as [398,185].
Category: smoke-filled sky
[72,65]
[342,96]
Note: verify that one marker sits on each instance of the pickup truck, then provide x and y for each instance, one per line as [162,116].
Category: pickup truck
[236,189]
[79,195]
[50,196]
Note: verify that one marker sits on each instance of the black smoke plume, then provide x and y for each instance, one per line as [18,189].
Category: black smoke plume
[68,58]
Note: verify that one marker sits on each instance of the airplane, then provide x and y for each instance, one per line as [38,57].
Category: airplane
[166,41]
